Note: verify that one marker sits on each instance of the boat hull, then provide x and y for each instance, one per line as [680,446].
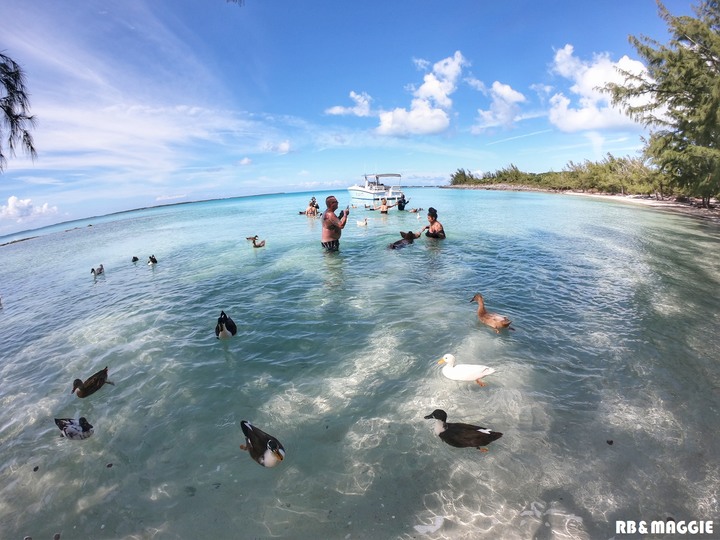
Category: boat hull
[375,189]
[362,194]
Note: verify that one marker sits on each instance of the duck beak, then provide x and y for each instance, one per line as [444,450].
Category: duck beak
[429,416]
[441,361]
[278,455]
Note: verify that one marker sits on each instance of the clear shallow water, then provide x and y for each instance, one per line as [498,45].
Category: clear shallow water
[616,316]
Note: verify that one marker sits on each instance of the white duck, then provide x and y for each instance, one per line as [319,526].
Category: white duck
[362,223]
[464,372]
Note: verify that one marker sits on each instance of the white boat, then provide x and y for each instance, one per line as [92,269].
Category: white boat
[375,188]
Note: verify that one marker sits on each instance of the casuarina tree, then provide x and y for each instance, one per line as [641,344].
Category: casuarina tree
[15,120]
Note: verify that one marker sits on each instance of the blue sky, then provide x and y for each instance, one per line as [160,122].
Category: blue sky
[140,103]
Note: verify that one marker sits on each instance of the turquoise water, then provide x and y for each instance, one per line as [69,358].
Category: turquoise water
[616,315]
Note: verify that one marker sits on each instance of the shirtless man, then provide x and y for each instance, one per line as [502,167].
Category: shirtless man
[332,225]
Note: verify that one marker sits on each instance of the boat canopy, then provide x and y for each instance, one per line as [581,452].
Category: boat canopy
[383,175]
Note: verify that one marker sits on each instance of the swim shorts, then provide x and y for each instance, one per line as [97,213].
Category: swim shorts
[332,245]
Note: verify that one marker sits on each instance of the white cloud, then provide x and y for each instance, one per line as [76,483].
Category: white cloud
[428,113]
[503,110]
[22,210]
[245,161]
[361,107]
[591,109]
[282,147]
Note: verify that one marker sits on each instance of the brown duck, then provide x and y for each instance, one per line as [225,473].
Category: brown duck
[493,320]
[91,385]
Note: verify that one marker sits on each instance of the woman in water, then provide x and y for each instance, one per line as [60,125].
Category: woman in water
[435,228]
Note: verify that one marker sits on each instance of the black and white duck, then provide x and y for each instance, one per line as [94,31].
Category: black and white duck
[462,435]
[75,430]
[92,384]
[97,271]
[225,327]
[152,260]
[263,448]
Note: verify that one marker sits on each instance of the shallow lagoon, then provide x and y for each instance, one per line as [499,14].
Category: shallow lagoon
[616,316]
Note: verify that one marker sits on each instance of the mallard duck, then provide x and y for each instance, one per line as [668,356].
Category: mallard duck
[152,260]
[464,372]
[97,271]
[92,384]
[462,435]
[263,448]
[493,320]
[75,430]
[225,327]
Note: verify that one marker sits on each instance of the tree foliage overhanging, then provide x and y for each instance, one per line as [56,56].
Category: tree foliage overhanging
[15,120]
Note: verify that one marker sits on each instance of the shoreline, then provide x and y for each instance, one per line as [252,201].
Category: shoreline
[687,208]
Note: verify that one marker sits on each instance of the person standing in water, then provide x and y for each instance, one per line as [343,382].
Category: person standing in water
[435,228]
[333,225]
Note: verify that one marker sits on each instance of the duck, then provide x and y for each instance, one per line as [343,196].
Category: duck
[135,259]
[493,320]
[225,327]
[92,384]
[462,435]
[97,271]
[362,223]
[251,237]
[152,260]
[75,430]
[263,448]
[258,244]
[464,372]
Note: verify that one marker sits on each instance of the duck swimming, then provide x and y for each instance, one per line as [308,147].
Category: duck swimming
[97,271]
[263,448]
[464,372]
[92,384]
[462,435]
[258,243]
[493,320]
[75,430]
[152,260]
[225,327]
[135,259]
[362,223]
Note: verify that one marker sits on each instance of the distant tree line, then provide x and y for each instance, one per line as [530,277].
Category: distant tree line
[624,176]
[678,98]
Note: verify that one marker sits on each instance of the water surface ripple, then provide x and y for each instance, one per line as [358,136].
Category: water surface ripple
[615,311]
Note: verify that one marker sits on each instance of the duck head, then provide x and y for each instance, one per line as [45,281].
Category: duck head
[448,359]
[278,452]
[437,414]
[77,383]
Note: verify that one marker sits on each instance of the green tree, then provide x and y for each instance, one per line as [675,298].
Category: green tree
[679,97]
[15,122]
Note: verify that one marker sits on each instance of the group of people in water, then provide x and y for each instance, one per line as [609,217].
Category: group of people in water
[333,224]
